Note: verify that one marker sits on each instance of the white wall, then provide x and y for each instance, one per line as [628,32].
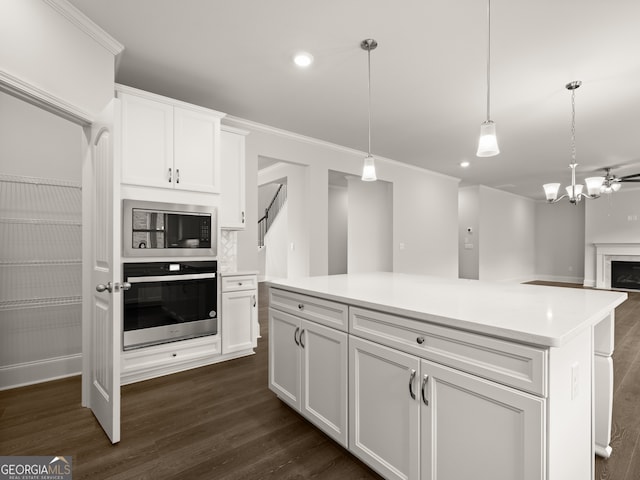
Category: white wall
[425,204]
[276,242]
[370,218]
[507,226]
[337,229]
[560,229]
[294,235]
[46,51]
[612,218]
[503,235]
[36,143]
[469,241]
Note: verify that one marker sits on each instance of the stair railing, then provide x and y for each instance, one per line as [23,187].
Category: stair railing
[271,212]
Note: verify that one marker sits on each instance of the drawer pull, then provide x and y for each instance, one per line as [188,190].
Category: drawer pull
[174,354]
[295,336]
[240,283]
[420,340]
[300,306]
[411,379]
[424,395]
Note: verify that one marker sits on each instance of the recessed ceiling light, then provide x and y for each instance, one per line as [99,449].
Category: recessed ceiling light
[464,164]
[303,59]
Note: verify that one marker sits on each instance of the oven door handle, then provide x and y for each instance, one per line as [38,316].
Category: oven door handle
[170,278]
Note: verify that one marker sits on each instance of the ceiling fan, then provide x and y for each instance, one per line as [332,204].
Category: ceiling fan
[612,183]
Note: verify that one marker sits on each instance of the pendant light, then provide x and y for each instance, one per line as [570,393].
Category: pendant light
[574,192]
[369,168]
[488,142]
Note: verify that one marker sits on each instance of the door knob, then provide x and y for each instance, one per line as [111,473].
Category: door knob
[102,287]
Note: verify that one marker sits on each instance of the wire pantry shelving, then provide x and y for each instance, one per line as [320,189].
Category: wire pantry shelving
[40,269]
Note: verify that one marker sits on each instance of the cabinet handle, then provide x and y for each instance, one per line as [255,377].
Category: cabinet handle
[177,175]
[254,300]
[420,340]
[242,217]
[300,306]
[411,379]
[295,336]
[424,395]
[301,342]
[170,175]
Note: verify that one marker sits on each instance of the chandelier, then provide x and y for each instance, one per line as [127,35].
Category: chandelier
[574,192]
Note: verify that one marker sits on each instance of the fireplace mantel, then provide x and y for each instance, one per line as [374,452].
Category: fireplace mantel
[606,252]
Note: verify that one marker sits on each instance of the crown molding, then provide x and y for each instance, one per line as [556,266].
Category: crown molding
[40,98]
[81,21]
[249,124]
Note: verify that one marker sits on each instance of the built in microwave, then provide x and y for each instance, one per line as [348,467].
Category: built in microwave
[155,229]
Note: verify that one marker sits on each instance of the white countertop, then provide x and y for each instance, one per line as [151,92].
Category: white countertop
[535,314]
[238,272]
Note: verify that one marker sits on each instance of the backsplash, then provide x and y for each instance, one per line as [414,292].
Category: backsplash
[228,251]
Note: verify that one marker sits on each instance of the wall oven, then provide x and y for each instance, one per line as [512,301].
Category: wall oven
[168,229]
[169,301]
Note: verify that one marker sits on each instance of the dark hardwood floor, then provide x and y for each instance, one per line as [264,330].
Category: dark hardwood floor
[217,422]
[221,422]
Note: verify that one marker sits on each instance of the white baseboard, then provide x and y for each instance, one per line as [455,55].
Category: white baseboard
[28,373]
[560,279]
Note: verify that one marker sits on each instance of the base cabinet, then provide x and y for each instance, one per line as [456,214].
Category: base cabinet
[239,312]
[415,419]
[308,370]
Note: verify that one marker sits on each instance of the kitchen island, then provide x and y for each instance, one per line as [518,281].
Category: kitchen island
[434,378]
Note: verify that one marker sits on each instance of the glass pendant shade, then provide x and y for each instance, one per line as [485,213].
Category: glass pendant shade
[369,170]
[551,191]
[574,191]
[488,143]
[594,184]
[616,186]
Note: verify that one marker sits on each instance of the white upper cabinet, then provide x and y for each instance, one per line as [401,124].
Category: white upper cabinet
[169,144]
[232,214]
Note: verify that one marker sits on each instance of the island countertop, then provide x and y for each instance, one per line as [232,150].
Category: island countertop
[534,314]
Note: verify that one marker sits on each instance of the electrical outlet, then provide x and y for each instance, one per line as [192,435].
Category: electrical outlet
[575,380]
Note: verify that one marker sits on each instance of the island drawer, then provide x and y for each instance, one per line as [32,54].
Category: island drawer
[325,312]
[520,366]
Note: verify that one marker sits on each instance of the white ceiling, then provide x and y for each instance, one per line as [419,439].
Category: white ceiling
[428,75]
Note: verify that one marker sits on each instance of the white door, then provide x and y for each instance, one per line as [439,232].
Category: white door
[284,357]
[384,409]
[474,428]
[324,379]
[102,328]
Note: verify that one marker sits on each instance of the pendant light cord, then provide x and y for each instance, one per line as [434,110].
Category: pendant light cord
[488,58]
[573,126]
[369,89]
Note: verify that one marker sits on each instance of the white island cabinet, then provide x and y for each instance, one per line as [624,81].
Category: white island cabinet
[453,379]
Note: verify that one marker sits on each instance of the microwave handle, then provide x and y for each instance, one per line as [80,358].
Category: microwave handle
[170,278]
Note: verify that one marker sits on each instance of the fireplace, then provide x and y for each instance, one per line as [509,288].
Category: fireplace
[609,253]
[625,275]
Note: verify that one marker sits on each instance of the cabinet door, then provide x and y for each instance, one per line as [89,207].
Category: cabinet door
[284,357]
[474,428]
[324,379]
[384,423]
[238,320]
[147,142]
[232,156]
[197,151]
